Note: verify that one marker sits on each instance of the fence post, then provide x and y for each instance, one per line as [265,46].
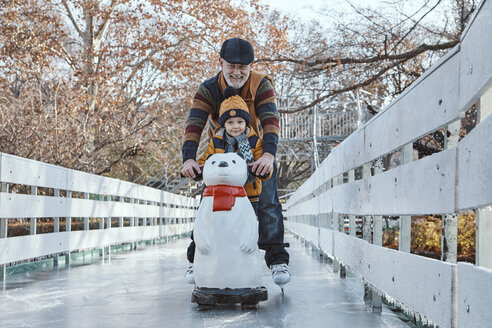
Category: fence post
[4,225]
[56,224]
[136,220]
[108,226]
[405,241]
[68,226]
[101,219]
[352,227]
[377,239]
[86,219]
[483,255]
[144,220]
[121,223]
[449,238]
[161,217]
[56,228]
[372,298]
[366,220]
[108,223]
[335,218]
[154,223]
[132,219]
[449,222]
[366,173]
[33,221]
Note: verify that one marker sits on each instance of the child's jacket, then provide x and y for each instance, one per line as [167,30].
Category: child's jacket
[218,145]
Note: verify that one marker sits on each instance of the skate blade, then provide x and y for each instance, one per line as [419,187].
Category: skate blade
[281,287]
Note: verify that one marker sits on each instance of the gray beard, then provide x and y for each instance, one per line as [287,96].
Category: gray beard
[235,85]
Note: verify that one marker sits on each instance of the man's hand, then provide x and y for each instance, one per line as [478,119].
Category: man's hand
[263,165]
[188,167]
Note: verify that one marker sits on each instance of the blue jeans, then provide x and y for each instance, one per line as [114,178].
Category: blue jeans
[270,224]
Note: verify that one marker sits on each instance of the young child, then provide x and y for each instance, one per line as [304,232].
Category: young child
[234,134]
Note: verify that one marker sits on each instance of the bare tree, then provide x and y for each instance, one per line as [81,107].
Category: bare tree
[99,85]
[383,49]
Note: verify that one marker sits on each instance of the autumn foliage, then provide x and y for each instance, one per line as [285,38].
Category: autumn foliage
[426,236]
[104,86]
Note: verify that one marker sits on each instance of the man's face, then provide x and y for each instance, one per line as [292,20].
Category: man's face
[235,75]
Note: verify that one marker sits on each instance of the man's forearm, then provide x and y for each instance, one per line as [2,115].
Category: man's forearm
[189,149]
[270,143]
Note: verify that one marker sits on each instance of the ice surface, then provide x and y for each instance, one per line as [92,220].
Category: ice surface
[146,288]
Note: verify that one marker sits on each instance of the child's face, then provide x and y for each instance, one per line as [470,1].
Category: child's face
[235,126]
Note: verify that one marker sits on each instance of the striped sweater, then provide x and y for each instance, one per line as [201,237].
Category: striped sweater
[258,94]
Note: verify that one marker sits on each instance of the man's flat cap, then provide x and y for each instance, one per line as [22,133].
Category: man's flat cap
[237,51]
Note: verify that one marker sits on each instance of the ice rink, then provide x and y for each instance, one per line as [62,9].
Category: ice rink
[146,288]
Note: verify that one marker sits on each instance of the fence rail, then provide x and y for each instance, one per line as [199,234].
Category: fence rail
[140,212]
[446,183]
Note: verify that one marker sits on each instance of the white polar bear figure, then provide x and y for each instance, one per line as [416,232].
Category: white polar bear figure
[226,229]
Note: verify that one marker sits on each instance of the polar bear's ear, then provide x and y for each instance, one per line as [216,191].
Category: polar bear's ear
[209,156]
[240,155]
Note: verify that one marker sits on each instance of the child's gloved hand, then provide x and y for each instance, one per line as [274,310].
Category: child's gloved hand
[198,176]
[263,176]
[252,176]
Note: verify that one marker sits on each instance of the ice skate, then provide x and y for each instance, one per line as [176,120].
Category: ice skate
[189,275]
[280,274]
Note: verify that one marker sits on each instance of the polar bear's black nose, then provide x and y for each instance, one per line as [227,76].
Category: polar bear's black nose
[223,164]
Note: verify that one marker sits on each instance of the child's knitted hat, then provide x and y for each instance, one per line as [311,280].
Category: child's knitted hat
[233,106]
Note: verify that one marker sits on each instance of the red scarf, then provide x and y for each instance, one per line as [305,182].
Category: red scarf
[224,196]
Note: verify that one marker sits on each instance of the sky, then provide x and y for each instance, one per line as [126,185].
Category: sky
[306,9]
[298,8]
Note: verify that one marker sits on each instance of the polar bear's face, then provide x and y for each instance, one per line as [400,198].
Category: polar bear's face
[225,169]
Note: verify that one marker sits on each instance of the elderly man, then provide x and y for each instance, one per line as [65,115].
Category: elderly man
[236,57]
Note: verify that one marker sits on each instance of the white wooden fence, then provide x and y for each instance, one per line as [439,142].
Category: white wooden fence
[455,179]
[149,213]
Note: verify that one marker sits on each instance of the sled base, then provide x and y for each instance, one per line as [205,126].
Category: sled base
[207,298]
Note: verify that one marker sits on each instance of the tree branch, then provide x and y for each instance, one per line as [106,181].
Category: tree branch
[139,64]
[348,60]
[72,18]
[415,25]
[102,30]
[128,152]
[349,88]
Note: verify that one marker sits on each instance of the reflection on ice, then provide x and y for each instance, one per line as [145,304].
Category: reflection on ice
[147,287]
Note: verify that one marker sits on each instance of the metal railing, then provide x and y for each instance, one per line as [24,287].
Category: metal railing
[300,126]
